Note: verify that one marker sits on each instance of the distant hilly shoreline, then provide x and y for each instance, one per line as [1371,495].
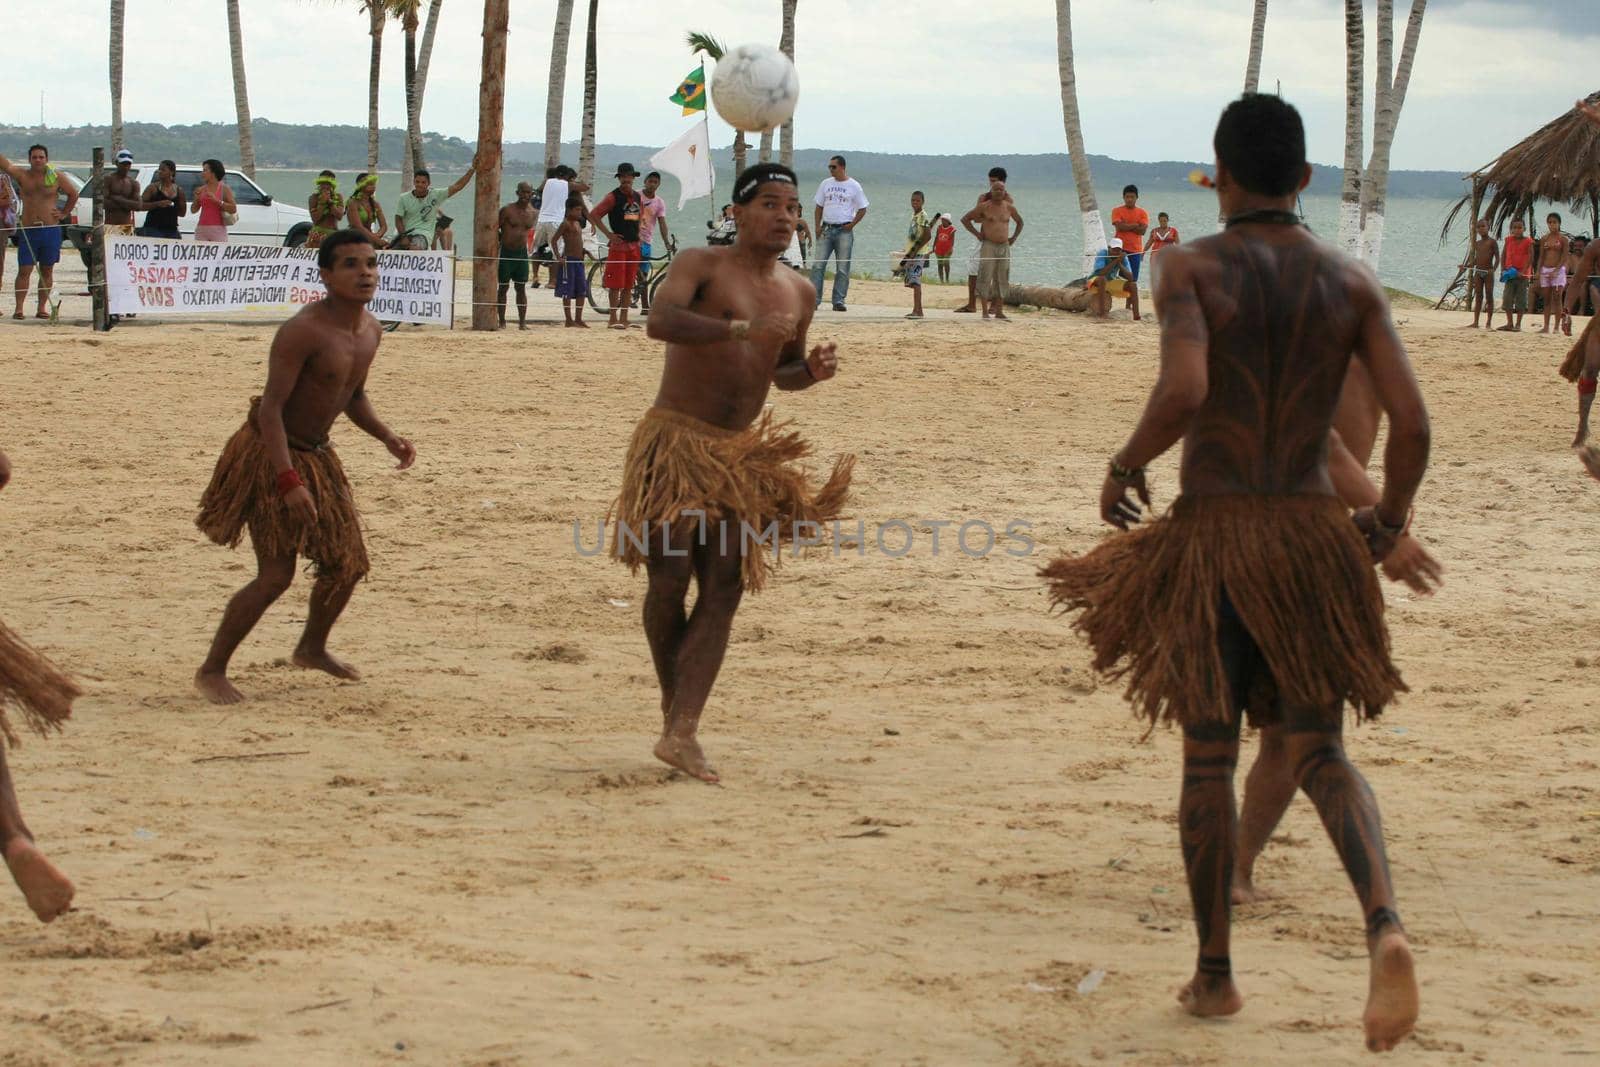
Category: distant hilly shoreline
[343,148]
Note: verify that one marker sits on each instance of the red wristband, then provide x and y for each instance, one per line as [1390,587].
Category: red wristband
[288,480]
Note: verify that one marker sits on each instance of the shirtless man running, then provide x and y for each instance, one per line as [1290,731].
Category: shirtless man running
[1256,590]
[44,695]
[707,473]
[516,220]
[39,226]
[994,216]
[280,477]
[1480,266]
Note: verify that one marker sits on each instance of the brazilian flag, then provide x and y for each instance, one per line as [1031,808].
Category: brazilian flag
[691,94]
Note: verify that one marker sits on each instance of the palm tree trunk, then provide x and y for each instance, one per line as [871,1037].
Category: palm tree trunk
[591,78]
[241,96]
[117,9]
[741,150]
[374,70]
[1258,34]
[1383,74]
[415,119]
[1375,185]
[1350,193]
[486,199]
[766,147]
[558,80]
[1094,230]
[786,46]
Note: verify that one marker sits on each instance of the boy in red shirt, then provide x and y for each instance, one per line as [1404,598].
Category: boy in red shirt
[1518,257]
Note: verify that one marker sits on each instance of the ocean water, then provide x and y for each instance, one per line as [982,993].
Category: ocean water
[1049,252]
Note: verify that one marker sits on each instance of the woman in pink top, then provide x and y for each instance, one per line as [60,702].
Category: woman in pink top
[1160,237]
[212,200]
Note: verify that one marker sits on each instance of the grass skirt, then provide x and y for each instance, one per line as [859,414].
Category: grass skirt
[1572,365]
[32,683]
[244,493]
[677,463]
[1298,574]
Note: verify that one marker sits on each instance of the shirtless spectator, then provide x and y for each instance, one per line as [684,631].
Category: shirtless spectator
[516,221]
[976,256]
[994,216]
[1481,261]
[122,193]
[39,238]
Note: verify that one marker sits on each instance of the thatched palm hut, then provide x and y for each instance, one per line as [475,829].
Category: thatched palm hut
[1559,163]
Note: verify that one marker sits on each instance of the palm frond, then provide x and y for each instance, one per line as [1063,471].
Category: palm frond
[404,12]
[704,42]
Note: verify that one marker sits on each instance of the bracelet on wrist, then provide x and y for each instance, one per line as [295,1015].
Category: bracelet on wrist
[1387,528]
[1125,475]
[288,481]
[738,330]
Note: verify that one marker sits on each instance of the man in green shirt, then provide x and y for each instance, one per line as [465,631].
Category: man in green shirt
[418,213]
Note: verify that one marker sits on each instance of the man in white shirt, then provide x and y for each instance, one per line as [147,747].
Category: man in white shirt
[841,205]
[559,184]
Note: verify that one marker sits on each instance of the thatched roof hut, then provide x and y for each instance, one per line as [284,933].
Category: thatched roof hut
[1559,162]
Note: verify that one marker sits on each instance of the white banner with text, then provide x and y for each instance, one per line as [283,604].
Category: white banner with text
[152,276]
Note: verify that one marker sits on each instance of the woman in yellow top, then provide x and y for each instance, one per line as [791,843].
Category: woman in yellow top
[363,211]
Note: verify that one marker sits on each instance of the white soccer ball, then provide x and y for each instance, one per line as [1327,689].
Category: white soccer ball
[755,88]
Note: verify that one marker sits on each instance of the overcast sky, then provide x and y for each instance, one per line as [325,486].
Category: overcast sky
[888,75]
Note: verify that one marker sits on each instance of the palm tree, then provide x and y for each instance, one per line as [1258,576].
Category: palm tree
[405,13]
[1258,33]
[558,82]
[486,193]
[786,46]
[704,42]
[241,97]
[375,25]
[591,80]
[1350,192]
[1375,183]
[1093,226]
[117,7]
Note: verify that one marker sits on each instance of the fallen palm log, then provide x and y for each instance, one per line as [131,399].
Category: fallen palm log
[1061,298]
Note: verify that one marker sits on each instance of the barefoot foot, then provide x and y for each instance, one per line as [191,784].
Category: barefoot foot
[1245,891]
[1207,995]
[216,688]
[1392,1000]
[685,754]
[48,891]
[1589,456]
[321,661]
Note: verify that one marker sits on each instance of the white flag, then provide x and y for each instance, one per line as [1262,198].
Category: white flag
[688,159]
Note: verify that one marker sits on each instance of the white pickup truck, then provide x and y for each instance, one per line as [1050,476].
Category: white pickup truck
[262,220]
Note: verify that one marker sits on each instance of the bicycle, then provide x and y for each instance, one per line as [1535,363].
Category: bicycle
[644,290]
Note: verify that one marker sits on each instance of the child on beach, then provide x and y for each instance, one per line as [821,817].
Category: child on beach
[572,285]
[914,260]
[944,244]
[1163,235]
[1482,258]
[1552,270]
[1517,261]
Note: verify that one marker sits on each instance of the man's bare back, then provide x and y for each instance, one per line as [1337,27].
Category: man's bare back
[1278,283]
[726,383]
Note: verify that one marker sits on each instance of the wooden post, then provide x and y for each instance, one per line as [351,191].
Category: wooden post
[486,199]
[97,244]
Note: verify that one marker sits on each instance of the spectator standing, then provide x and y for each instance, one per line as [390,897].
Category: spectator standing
[944,243]
[1131,222]
[841,205]
[975,259]
[122,195]
[164,204]
[39,235]
[617,219]
[1517,261]
[653,214]
[1163,235]
[560,185]
[9,199]
[213,203]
